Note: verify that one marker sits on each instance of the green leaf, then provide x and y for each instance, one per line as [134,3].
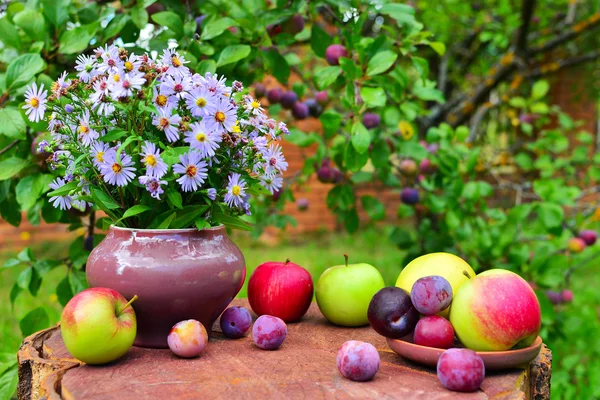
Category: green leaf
[22,70]
[113,135]
[77,281]
[24,278]
[540,89]
[29,189]
[216,27]
[277,65]
[517,101]
[63,291]
[319,40]
[12,262]
[205,66]
[32,22]
[351,220]
[115,26]
[438,47]
[373,97]
[202,223]
[12,124]
[551,215]
[401,238]
[9,379]
[233,53]
[381,62]
[35,320]
[77,39]
[402,13]
[233,222]
[11,166]
[9,34]
[103,200]
[139,16]
[175,198]
[428,93]
[135,210]
[188,216]
[56,11]
[171,155]
[422,66]
[354,161]
[331,121]
[540,108]
[63,190]
[171,21]
[324,77]
[165,224]
[361,139]
[374,208]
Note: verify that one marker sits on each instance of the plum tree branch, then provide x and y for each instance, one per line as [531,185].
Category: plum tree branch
[572,33]
[527,7]
[579,265]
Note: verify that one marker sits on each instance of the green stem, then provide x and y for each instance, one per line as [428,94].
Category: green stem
[134,298]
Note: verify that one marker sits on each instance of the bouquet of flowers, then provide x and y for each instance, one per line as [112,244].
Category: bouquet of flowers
[154,145]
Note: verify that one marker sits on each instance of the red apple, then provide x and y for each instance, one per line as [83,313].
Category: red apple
[280,289]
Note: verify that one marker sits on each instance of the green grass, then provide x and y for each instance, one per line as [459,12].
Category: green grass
[315,252]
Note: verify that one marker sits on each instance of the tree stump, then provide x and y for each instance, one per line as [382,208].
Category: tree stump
[304,367]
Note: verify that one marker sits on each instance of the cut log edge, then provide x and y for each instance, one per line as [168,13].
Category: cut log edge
[40,372]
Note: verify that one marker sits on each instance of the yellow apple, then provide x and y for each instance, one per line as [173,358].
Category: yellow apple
[446,265]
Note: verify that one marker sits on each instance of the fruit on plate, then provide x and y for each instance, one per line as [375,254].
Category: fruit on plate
[358,361]
[268,332]
[461,370]
[98,325]
[188,338]
[434,331]
[453,268]
[391,313]
[235,322]
[345,291]
[495,311]
[431,294]
[280,289]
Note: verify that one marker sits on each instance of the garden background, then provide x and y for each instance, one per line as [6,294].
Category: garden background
[494,103]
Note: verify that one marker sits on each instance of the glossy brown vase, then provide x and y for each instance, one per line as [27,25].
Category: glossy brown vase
[177,274]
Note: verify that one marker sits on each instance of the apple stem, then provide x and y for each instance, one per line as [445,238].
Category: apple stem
[346,257]
[287,261]
[465,273]
[134,298]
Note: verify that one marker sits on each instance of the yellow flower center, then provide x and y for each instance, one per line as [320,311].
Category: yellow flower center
[255,104]
[220,116]
[116,167]
[200,102]
[100,156]
[55,86]
[191,171]
[34,102]
[201,137]
[84,129]
[236,190]
[176,61]
[128,65]
[164,122]
[236,128]
[161,100]
[150,160]
[116,77]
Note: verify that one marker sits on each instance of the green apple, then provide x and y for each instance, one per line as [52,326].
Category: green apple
[495,311]
[453,268]
[98,325]
[345,291]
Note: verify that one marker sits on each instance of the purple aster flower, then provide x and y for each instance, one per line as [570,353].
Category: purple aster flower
[177,85]
[201,140]
[155,166]
[153,185]
[261,144]
[252,106]
[193,171]
[69,108]
[61,83]
[101,88]
[212,194]
[284,128]
[86,134]
[167,123]
[175,62]
[63,202]
[100,151]
[128,83]
[36,102]
[275,161]
[86,65]
[111,63]
[115,172]
[132,63]
[237,86]
[216,85]
[221,116]
[198,101]
[272,182]
[43,146]
[54,123]
[236,191]
[104,107]
[160,100]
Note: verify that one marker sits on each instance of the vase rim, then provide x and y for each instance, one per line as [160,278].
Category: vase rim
[180,230]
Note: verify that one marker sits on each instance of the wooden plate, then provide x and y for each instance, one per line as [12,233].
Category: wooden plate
[493,360]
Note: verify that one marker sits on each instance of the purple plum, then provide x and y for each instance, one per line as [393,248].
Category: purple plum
[431,294]
[314,108]
[269,332]
[235,322]
[274,95]
[259,90]
[461,370]
[300,110]
[358,361]
[409,196]
[334,52]
[589,237]
[288,99]
[322,97]
[187,338]
[371,120]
